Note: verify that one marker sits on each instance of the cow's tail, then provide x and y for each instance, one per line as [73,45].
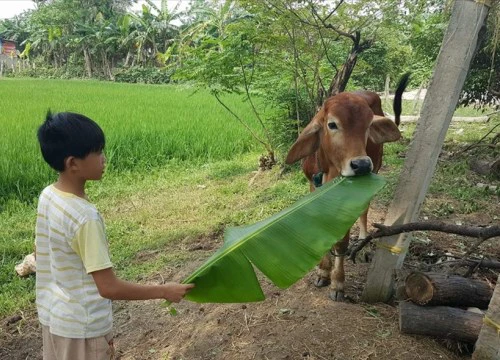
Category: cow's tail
[398,97]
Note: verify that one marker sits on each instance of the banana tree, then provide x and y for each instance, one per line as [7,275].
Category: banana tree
[285,246]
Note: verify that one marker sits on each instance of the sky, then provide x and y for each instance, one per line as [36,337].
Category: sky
[10,8]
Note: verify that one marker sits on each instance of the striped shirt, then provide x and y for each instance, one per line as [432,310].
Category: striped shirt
[70,244]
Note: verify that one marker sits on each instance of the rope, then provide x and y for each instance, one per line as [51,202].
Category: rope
[393,249]
[337,255]
[491,323]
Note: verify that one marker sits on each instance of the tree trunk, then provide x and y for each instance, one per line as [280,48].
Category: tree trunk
[450,290]
[88,62]
[488,344]
[339,82]
[447,81]
[106,67]
[127,59]
[386,88]
[439,321]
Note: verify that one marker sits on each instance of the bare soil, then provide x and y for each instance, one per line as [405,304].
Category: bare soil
[297,323]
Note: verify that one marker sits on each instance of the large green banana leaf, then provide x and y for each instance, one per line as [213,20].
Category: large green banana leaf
[285,246]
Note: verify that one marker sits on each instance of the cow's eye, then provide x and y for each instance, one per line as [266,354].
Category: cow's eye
[332,126]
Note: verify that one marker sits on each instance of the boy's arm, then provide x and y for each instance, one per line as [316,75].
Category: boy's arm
[113,288]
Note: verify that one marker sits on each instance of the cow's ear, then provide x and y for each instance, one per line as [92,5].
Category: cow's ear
[383,130]
[307,142]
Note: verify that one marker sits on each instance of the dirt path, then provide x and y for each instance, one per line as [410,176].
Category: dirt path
[297,323]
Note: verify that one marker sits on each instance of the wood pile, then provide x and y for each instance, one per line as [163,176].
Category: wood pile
[444,306]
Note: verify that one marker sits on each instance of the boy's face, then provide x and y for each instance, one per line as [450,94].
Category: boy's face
[92,166]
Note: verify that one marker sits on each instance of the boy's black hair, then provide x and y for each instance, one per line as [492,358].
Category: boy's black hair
[68,134]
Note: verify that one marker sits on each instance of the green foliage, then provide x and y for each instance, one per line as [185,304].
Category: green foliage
[277,46]
[482,85]
[145,75]
[40,70]
[228,64]
[372,63]
[426,35]
[93,35]
[195,202]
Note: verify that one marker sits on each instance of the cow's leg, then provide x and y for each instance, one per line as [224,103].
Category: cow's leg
[324,270]
[365,254]
[363,225]
[325,266]
[338,275]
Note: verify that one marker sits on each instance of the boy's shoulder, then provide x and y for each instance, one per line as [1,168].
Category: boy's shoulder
[69,205]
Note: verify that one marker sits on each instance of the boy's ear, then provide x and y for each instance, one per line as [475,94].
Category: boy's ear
[70,163]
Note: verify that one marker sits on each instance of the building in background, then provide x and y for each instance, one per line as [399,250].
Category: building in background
[7,47]
[8,54]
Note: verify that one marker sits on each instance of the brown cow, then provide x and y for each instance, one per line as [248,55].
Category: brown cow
[346,138]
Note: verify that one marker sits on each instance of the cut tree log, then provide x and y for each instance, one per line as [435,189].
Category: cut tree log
[450,290]
[440,321]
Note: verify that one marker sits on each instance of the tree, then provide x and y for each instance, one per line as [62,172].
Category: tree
[482,86]
[221,51]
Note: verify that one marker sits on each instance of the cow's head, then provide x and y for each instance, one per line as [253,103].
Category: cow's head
[340,131]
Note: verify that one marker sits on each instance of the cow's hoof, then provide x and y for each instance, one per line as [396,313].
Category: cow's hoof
[337,295]
[322,282]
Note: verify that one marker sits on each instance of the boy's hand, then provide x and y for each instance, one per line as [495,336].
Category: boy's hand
[174,292]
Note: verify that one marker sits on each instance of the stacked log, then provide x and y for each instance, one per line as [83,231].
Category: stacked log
[440,305]
[449,290]
[440,321]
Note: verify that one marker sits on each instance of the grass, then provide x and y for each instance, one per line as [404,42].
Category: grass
[155,207]
[146,126]
[453,183]
[154,213]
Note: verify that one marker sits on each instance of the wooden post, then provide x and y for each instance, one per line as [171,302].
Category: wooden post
[1,68]
[488,343]
[451,68]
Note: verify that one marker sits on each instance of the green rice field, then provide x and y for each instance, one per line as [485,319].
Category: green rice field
[145,126]
[159,139]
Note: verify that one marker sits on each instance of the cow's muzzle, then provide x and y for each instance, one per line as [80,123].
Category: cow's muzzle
[361,165]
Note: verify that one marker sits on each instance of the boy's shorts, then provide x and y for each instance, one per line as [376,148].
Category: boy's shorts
[61,348]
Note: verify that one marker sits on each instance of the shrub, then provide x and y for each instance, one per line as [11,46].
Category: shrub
[146,75]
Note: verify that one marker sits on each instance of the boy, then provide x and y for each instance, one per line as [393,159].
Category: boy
[75,282]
